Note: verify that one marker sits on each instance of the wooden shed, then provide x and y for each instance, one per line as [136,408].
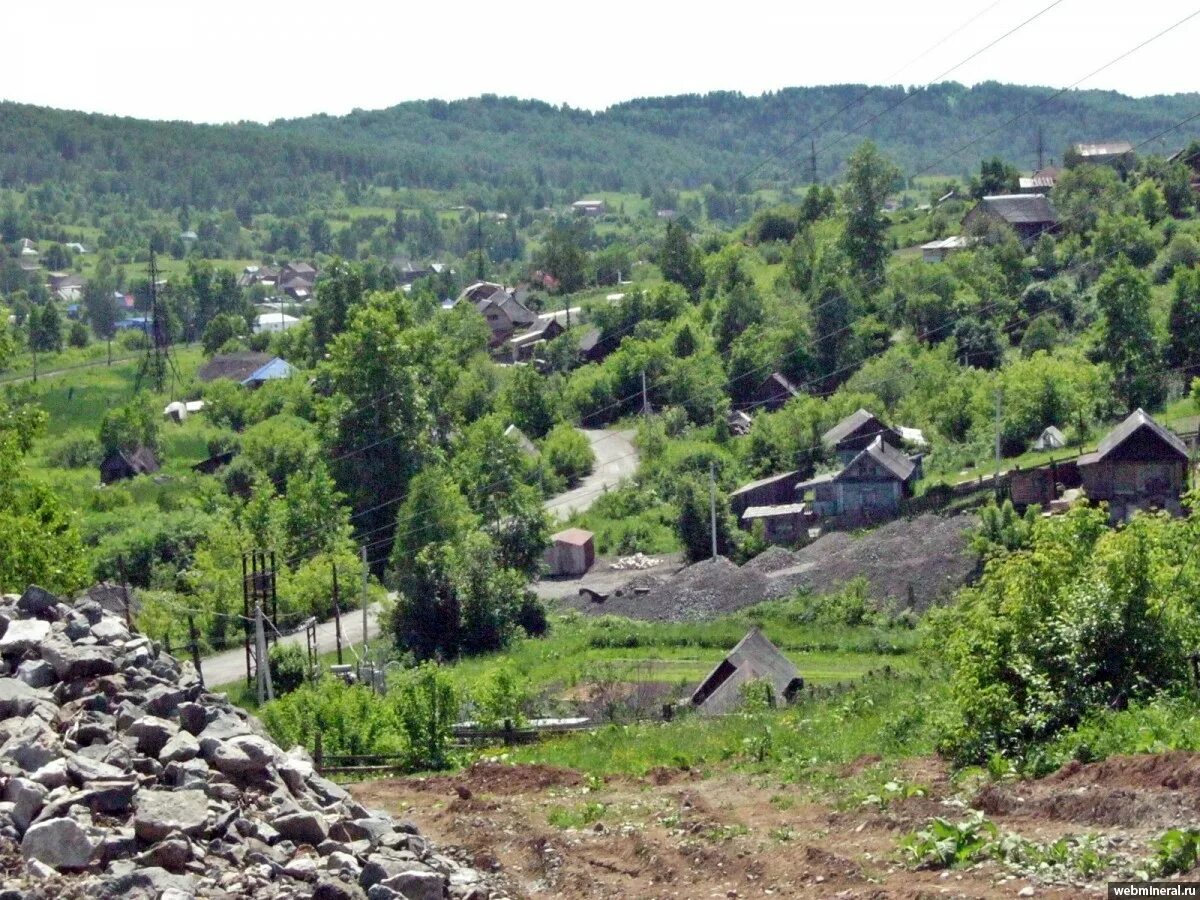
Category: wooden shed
[769,491]
[855,433]
[122,464]
[571,552]
[754,658]
[785,523]
[1138,465]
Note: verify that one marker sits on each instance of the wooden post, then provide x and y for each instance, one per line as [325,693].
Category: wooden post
[195,647]
[246,616]
[318,752]
[337,615]
[274,595]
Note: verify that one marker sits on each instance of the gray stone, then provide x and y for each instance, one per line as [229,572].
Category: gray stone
[303,827]
[17,698]
[332,889]
[60,843]
[373,830]
[158,813]
[190,774]
[152,734]
[259,750]
[118,843]
[338,861]
[36,673]
[180,748]
[77,661]
[150,881]
[53,774]
[22,635]
[33,745]
[172,854]
[381,892]
[382,866]
[85,769]
[221,729]
[193,717]
[28,797]
[163,700]
[230,759]
[112,796]
[303,868]
[36,601]
[108,630]
[417,885]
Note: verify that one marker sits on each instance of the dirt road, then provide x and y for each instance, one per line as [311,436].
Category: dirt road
[616,460]
[676,834]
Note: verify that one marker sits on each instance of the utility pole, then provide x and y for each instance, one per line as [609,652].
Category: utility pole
[479,243]
[265,688]
[33,349]
[712,505]
[1041,148]
[337,615]
[364,600]
[999,401]
[812,161]
[645,397]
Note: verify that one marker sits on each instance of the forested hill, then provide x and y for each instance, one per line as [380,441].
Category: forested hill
[529,148]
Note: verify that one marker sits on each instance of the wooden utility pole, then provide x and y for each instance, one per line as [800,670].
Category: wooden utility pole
[645,397]
[812,161]
[266,690]
[712,504]
[337,615]
[999,402]
[366,576]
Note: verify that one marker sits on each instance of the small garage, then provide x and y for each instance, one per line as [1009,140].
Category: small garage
[571,552]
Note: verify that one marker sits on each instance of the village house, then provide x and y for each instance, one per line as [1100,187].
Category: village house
[407,272]
[122,464]
[66,287]
[1029,215]
[771,393]
[524,345]
[754,658]
[1040,182]
[589,207]
[504,313]
[1192,162]
[770,491]
[528,447]
[937,251]
[27,247]
[592,346]
[1138,465]
[1118,154]
[855,433]
[869,488]
[249,369]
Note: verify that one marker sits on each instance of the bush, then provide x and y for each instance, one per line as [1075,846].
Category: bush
[289,668]
[501,698]
[352,720]
[426,707]
[110,498]
[568,453]
[75,451]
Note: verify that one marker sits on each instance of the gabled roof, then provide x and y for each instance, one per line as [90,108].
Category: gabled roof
[885,455]
[827,477]
[235,366]
[850,426]
[589,339]
[754,658]
[780,380]
[576,537]
[1110,148]
[770,512]
[275,369]
[762,482]
[1020,209]
[1137,421]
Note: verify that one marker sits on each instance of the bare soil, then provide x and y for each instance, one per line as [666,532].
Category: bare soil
[678,834]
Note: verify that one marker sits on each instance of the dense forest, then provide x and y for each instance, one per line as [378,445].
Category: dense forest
[517,152]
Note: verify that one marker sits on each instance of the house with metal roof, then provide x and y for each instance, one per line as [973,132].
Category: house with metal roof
[869,488]
[1118,154]
[771,393]
[122,464]
[782,523]
[855,433]
[1050,439]
[769,491]
[1029,215]
[754,658]
[1139,465]
[272,371]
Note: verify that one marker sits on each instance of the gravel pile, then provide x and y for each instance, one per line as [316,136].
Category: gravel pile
[121,777]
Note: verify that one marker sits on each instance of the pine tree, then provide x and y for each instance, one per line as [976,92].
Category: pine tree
[678,260]
[1183,323]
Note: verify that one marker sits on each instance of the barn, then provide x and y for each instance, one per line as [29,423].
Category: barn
[571,552]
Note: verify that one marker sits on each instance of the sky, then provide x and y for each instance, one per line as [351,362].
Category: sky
[222,61]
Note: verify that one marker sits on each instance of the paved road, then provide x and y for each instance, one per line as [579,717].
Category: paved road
[616,460]
[230,666]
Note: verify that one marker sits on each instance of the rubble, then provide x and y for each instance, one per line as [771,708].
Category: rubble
[636,562]
[120,776]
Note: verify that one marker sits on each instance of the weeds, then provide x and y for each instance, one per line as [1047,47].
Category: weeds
[1175,852]
[943,844]
[578,817]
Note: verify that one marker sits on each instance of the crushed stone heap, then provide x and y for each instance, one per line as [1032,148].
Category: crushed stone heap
[122,777]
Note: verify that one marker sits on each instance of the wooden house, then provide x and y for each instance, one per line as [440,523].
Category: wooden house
[855,433]
[870,487]
[769,491]
[771,393]
[754,658]
[571,552]
[1138,465]
[1029,215]
[122,464]
[1118,154]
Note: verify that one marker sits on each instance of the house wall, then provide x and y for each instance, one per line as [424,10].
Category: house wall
[775,493]
[784,529]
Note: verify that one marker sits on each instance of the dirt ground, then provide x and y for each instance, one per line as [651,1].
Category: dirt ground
[556,833]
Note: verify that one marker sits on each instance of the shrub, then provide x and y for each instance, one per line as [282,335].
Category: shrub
[425,707]
[289,668]
[501,698]
[568,453]
[75,451]
[352,720]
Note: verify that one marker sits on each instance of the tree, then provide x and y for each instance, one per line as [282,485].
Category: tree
[679,261]
[1126,339]
[528,401]
[319,235]
[100,307]
[45,329]
[129,427]
[869,180]
[563,256]
[339,291]
[1183,323]
[568,453]
[694,525]
[995,177]
[222,329]
[77,335]
[434,512]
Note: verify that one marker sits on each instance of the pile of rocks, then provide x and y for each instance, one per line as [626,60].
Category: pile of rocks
[120,776]
[636,562]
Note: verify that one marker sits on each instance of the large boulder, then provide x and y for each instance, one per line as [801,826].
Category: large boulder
[158,813]
[18,698]
[63,844]
[77,661]
[152,734]
[303,827]
[22,635]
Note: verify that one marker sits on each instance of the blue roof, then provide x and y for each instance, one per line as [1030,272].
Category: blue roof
[276,368]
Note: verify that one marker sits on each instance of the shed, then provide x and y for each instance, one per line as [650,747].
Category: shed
[784,523]
[571,552]
[273,323]
[1050,439]
[272,371]
[234,366]
[527,446]
[769,491]
[937,251]
[1029,215]
[122,464]
[754,658]
[1138,465]
[771,393]
[214,463]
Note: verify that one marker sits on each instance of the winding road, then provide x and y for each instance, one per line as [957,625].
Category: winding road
[616,460]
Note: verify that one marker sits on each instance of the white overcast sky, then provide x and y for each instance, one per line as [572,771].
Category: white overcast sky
[219,61]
